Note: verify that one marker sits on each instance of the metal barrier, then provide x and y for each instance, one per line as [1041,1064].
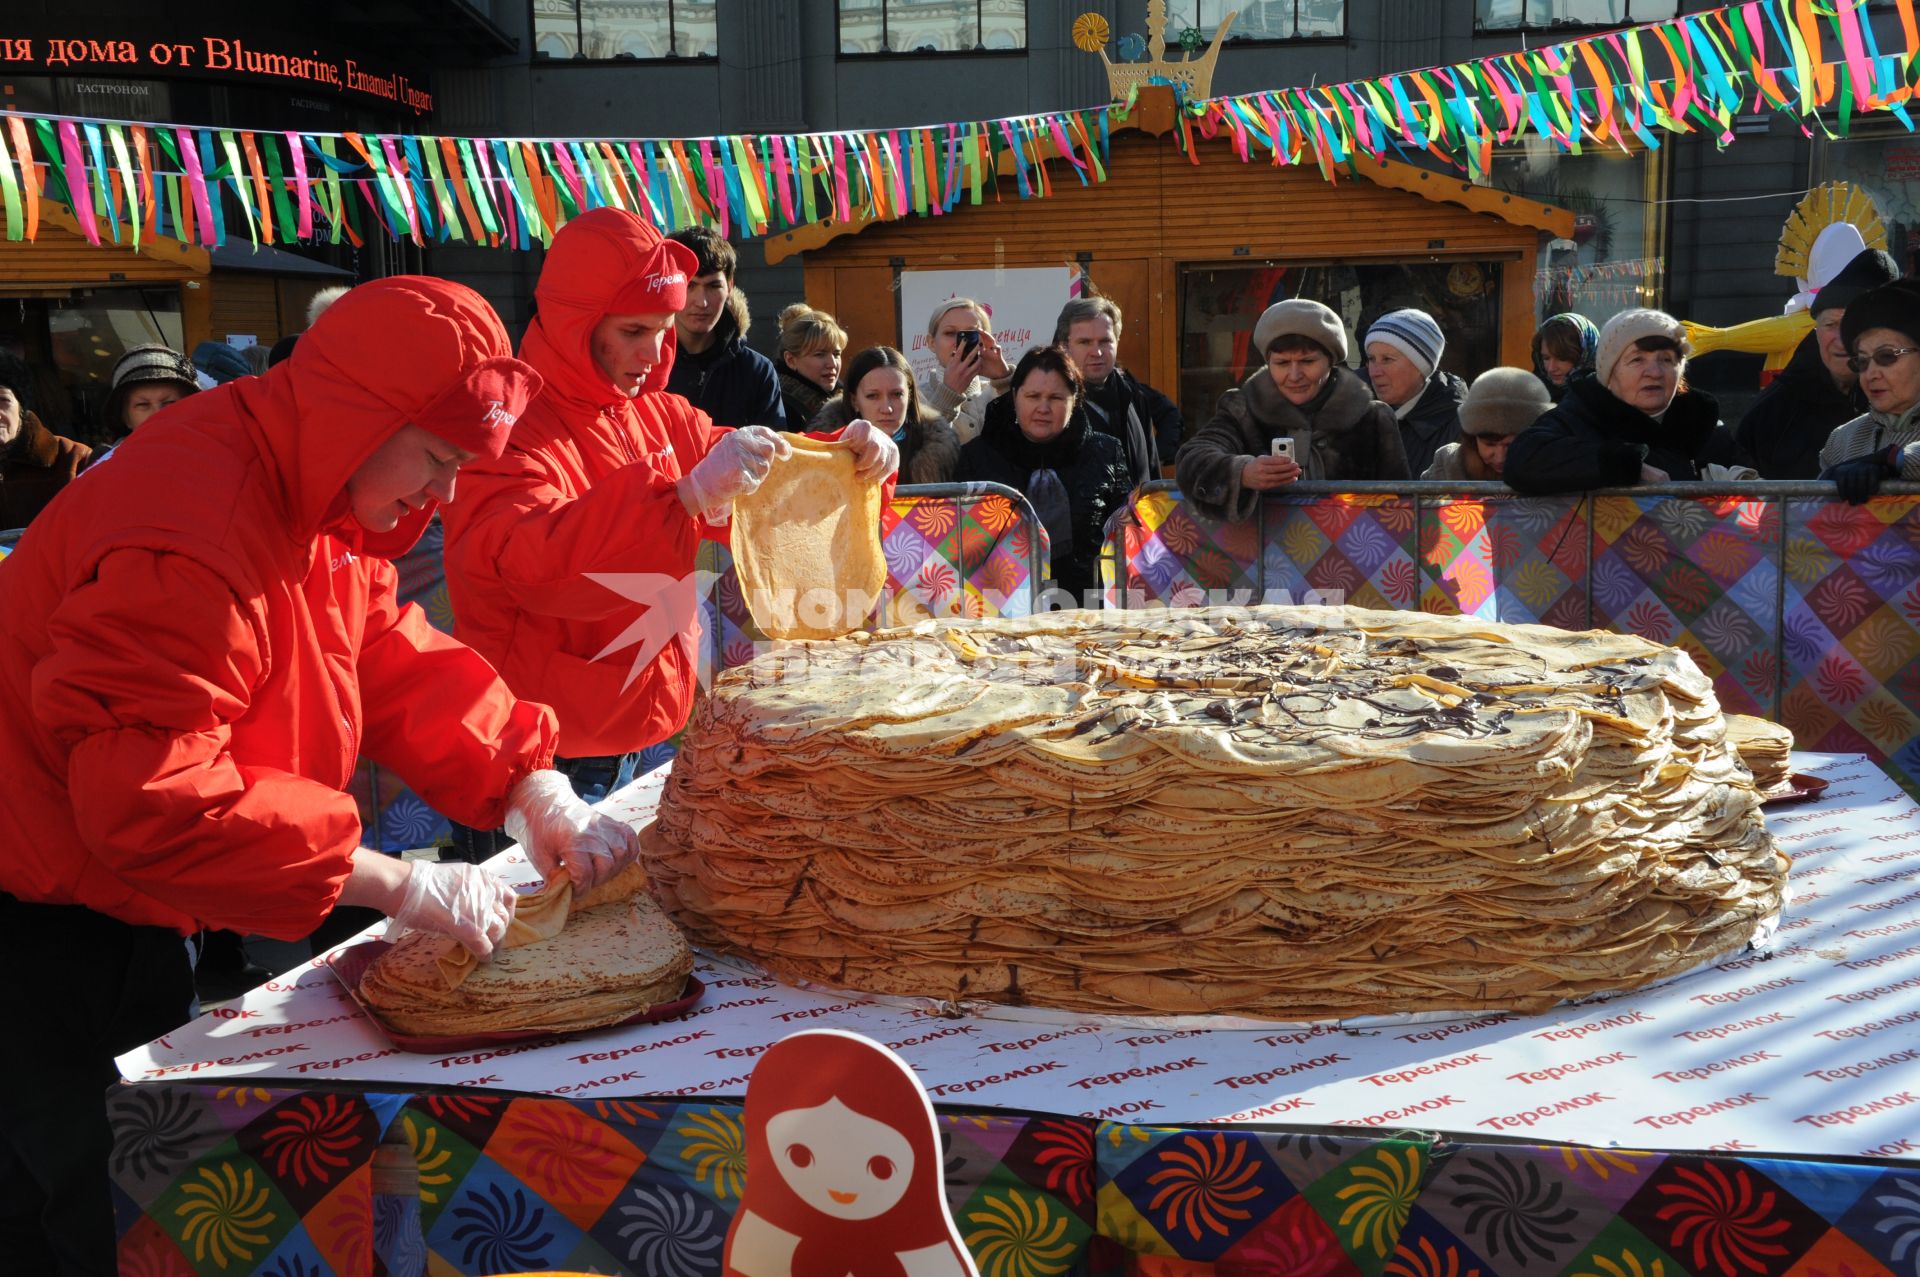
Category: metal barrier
[1800,608]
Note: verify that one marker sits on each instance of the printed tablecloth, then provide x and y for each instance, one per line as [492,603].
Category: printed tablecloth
[1811,1050]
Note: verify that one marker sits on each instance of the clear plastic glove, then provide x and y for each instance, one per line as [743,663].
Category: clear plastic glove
[735,467]
[462,901]
[559,832]
[875,454]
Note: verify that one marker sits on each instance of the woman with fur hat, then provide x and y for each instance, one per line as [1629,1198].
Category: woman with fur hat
[1631,422]
[1882,330]
[1501,403]
[1304,392]
[145,380]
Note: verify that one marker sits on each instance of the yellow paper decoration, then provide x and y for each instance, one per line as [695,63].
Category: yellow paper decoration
[1090,32]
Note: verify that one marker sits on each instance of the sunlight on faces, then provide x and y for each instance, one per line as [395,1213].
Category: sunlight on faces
[1095,347]
[1895,388]
[1395,378]
[11,416]
[628,347]
[149,397]
[946,334]
[1647,379]
[1833,346]
[881,397]
[1493,452]
[1556,368]
[706,302]
[1042,403]
[839,1162]
[414,466]
[820,365]
[1299,373]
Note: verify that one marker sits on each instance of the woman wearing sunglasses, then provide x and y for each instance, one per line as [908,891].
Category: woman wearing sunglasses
[1632,422]
[1882,330]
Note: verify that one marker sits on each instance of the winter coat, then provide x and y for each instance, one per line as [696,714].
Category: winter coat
[33,469]
[1140,417]
[1433,422]
[1594,439]
[1092,467]
[1875,432]
[1344,433]
[966,412]
[201,641]
[929,452]
[586,486]
[730,381]
[1459,463]
[800,400]
[1789,422]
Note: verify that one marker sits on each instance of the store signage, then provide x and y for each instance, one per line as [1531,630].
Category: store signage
[281,58]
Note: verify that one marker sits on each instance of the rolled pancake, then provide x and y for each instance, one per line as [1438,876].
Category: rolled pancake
[806,544]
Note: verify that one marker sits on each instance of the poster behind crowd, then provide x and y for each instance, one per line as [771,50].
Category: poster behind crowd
[1024,304]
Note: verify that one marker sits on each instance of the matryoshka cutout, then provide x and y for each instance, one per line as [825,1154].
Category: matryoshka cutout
[844,1176]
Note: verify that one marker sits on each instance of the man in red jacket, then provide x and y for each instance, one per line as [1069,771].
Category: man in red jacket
[607,473]
[201,638]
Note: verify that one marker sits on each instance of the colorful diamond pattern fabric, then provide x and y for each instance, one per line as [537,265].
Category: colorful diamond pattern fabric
[239,1181]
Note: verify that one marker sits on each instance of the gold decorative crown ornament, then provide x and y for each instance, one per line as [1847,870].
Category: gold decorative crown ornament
[1191,75]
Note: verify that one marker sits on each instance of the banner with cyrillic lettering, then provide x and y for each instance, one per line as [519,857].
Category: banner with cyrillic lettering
[1812,1050]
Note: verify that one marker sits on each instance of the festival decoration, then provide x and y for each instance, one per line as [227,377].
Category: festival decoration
[1826,229]
[1817,61]
[1190,76]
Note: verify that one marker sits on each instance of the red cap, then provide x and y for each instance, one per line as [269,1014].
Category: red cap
[659,282]
[477,412]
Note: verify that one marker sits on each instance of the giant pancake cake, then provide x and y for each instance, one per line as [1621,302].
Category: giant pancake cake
[1281,812]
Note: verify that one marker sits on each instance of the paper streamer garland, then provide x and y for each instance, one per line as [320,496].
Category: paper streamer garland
[1818,61]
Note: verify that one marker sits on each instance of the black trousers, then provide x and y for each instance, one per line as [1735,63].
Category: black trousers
[79,988]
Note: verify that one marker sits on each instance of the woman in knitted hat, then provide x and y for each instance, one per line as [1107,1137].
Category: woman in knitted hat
[1629,423]
[1403,367]
[1501,403]
[1304,393]
[145,380]
[1882,330]
[1564,348]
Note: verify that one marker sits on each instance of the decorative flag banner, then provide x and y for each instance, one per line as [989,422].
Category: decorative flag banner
[1818,61]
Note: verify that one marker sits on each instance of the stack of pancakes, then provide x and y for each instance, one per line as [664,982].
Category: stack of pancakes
[566,964]
[1765,748]
[1296,813]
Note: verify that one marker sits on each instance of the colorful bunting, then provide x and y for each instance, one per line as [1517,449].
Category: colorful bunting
[1817,61]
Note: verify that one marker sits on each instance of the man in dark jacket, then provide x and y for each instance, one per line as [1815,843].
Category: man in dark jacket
[1817,391]
[1136,414]
[1403,350]
[35,463]
[714,368]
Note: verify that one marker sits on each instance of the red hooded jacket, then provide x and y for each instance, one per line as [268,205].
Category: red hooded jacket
[586,485]
[199,639]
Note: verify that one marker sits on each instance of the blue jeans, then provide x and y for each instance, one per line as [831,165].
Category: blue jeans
[593,779]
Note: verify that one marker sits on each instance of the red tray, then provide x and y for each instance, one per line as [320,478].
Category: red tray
[350,963]
[1797,788]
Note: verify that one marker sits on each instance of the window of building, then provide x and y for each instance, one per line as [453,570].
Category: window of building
[604,30]
[1263,19]
[1535,15]
[932,26]
[1220,304]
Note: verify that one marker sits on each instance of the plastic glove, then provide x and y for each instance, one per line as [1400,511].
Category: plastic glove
[558,831]
[735,467]
[462,901]
[1861,477]
[875,454]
